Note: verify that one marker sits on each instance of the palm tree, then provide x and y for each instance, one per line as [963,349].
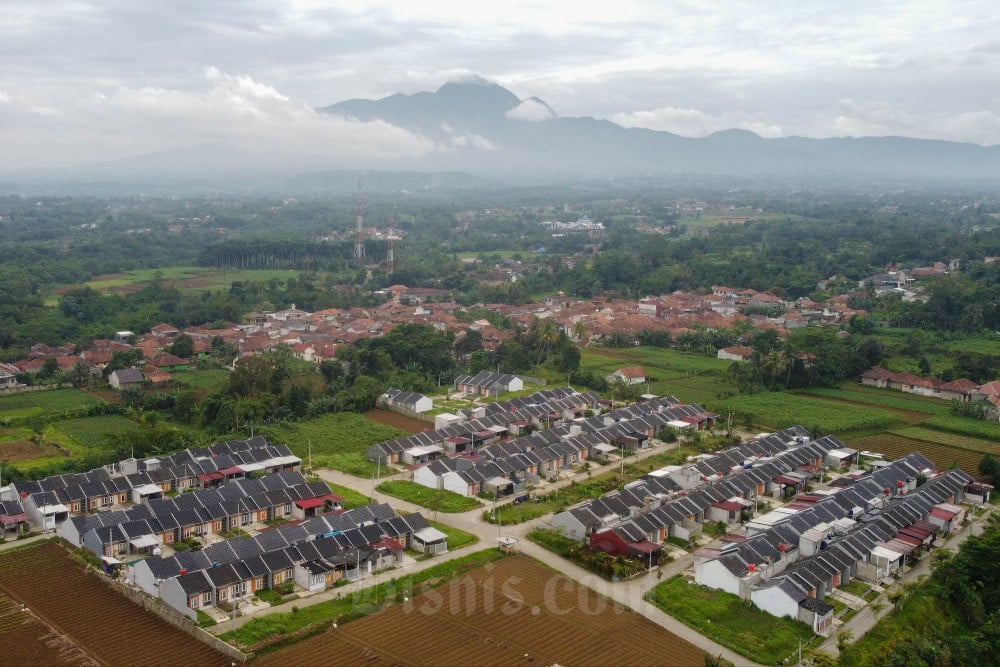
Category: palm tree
[580,331]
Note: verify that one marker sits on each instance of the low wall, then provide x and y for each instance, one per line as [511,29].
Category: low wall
[176,619]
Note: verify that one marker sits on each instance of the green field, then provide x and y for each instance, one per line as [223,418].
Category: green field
[730,621]
[974,428]
[438,500]
[692,378]
[950,439]
[781,410]
[98,432]
[46,401]
[942,456]
[456,538]
[209,379]
[886,398]
[185,278]
[339,441]
[351,497]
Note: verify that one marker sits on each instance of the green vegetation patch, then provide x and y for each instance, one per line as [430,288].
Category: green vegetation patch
[456,538]
[782,409]
[339,440]
[730,621]
[438,500]
[101,431]
[351,497]
[209,379]
[596,561]
[556,501]
[883,398]
[975,428]
[46,401]
[359,604]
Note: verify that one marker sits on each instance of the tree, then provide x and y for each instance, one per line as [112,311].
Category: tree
[989,466]
[183,347]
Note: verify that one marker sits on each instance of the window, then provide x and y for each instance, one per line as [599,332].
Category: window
[193,602]
[206,598]
[288,508]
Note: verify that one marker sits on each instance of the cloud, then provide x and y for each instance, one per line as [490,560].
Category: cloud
[695,123]
[876,118]
[465,140]
[532,110]
[232,110]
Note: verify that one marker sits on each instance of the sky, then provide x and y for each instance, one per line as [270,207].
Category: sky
[89,80]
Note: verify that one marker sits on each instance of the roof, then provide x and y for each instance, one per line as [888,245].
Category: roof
[430,534]
[632,372]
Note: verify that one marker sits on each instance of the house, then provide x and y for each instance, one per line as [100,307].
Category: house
[486,383]
[841,458]
[735,353]
[782,597]
[947,517]
[8,376]
[978,493]
[126,377]
[13,519]
[629,374]
[407,400]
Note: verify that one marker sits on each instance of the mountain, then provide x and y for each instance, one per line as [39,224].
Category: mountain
[484,128]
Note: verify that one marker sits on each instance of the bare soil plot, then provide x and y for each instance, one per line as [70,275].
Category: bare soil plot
[402,422]
[91,616]
[514,612]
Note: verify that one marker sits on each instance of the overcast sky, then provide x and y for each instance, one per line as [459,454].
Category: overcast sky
[82,79]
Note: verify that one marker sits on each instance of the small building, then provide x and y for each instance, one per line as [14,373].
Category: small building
[630,374]
[486,383]
[735,353]
[125,378]
[430,540]
[407,400]
[841,458]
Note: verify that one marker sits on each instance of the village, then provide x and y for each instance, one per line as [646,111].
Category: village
[207,530]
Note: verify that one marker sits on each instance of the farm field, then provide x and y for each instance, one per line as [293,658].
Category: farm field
[942,456]
[396,420]
[511,612]
[204,380]
[780,410]
[950,439]
[339,440]
[921,406]
[43,402]
[28,641]
[91,615]
[184,278]
[96,432]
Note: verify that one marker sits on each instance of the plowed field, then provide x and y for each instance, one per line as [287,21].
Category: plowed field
[402,422]
[89,617]
[514,612]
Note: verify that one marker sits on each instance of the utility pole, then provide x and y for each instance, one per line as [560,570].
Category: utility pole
[310,455]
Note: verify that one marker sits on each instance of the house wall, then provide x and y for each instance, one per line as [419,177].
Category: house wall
[451,481]
[570,525]
[172,593]
[143,577]
[714,575]
[427,477]
[775,601]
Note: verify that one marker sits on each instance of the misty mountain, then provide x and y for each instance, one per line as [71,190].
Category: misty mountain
[485,129]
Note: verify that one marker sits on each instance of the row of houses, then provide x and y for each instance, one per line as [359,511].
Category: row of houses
[508,466]
[962,389]
[313,555]
[238,504]
[50,501]
[865,530]
[676,500]
[472,429]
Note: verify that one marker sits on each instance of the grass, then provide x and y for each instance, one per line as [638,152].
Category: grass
[209,379]
[730,621]
[975,428]
[351,497]
[882,397]
[45,401]
[438,500]
[856,587]
[456,538]
[357,605]
[339,441]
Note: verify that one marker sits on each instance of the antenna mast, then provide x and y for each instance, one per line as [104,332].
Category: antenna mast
[359,239]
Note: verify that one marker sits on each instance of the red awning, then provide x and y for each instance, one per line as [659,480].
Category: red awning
[781,479]
[208,476]
[231,470]
[309,503]
[388,544]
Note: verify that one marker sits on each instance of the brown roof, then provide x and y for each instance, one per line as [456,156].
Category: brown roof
[632,372]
